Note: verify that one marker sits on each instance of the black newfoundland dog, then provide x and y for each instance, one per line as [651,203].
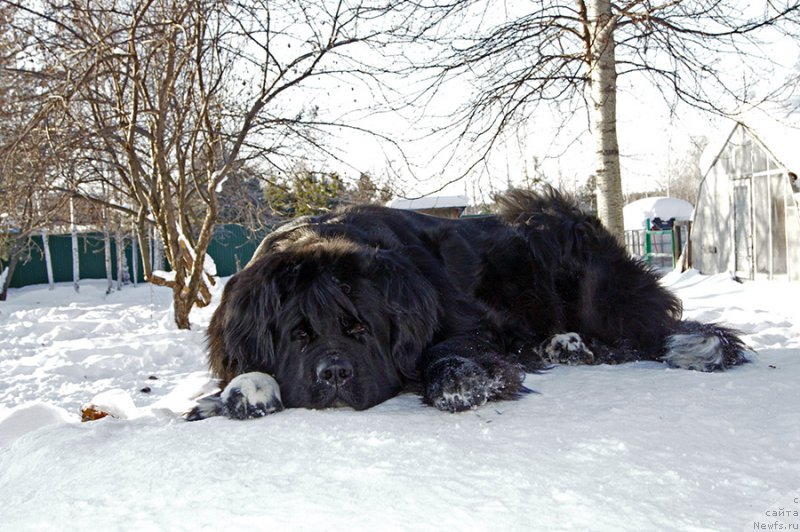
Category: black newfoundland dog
[354,307]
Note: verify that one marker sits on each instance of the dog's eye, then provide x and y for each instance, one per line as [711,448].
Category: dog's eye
[352,327]
[356,329]
[300,334]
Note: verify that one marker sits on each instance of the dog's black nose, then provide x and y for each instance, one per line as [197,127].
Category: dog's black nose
[334,370]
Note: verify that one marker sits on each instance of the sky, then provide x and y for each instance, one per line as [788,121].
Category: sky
[652,135]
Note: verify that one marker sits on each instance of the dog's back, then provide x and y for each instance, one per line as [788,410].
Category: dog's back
[615,302]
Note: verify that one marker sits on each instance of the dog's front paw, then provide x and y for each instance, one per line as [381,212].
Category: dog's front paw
[248,395]
[455,384]
[251,395]
[567,348]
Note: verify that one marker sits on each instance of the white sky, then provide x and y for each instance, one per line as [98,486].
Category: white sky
[650,138]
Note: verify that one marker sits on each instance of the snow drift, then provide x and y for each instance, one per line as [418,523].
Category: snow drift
[632,447]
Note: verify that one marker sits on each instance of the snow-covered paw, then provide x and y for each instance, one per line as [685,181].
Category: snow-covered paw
[456,383]
[566,348]
[248,395]
[251,395]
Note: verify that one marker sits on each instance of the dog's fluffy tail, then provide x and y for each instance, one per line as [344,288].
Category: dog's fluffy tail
[704,347]
[519,205]
[556,223]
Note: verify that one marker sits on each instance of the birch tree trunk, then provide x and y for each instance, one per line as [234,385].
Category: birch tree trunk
[121,266]
[107,250]
[134,259]
[48,261]
[5,279]
[158,251]
[603,115]
[76,273]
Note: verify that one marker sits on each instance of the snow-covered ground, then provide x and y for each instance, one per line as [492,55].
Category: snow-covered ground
[633,447]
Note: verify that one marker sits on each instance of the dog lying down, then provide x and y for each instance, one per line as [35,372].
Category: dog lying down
[353,307]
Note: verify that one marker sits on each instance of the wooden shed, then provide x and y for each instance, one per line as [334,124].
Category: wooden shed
[746,214]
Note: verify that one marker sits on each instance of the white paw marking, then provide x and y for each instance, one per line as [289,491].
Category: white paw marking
[255,387]
[567,344]
[251,395]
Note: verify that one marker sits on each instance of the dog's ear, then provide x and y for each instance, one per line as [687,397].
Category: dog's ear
[411,302]
[239,334]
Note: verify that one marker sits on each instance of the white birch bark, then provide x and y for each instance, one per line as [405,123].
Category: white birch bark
[158,251]
[603,116]
[121,266]
[134,258]
[48,261]
[107,251]
[76,273]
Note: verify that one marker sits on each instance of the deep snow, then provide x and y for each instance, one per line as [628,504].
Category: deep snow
[632,447]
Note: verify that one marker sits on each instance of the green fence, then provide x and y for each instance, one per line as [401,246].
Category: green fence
[231,248]
[659,248]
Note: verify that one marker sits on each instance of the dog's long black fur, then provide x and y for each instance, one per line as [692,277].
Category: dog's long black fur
[354,307]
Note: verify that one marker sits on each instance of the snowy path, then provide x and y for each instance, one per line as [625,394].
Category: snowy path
[634,447]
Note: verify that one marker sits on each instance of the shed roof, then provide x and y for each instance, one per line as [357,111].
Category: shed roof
[430,202]
[776,128]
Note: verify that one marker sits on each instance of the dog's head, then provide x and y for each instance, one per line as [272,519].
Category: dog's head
[334,322]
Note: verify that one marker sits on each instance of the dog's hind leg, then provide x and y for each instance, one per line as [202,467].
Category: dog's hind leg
[704,347]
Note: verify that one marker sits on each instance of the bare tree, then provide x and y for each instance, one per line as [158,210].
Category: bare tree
[173,96]
[242,200]
[569,55]
[367,189]
[27,204]
[684,172]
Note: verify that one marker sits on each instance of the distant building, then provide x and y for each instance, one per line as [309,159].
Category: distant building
[441,206]
[640,213]
[746,219]
[656,229]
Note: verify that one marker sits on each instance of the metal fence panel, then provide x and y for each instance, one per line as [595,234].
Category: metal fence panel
[91,260]
[231,248]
